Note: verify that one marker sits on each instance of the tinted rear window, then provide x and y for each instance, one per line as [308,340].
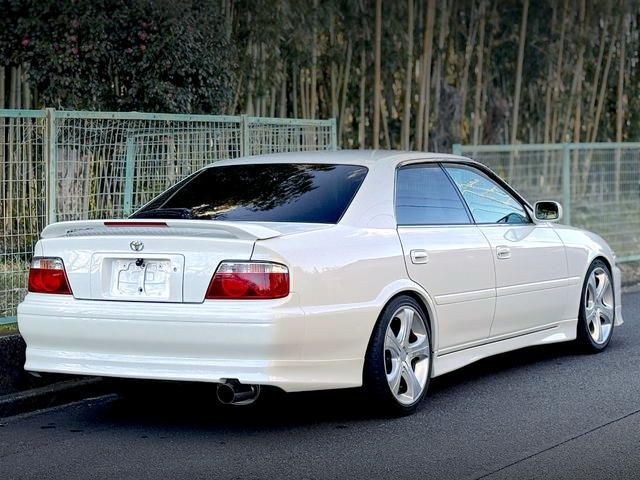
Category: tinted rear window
[261,193]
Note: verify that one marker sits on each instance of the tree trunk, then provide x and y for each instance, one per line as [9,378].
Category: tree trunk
[620,109]
[2,92]
[577,121]
[376,75]
[345,86]
[334,74]
[557,86]
[479,66]
[303,93]
[516,97]
[14,86]
[439,74]
[363,86]
[406,123]
[547,101]
[294,88]
[464,82]
[427,57]
[598,109]
[272,101]
[385,124]
[314,64]
[604,33]
[603,87]
[283,91]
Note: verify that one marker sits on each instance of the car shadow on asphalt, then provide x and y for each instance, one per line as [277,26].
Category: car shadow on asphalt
[187,404]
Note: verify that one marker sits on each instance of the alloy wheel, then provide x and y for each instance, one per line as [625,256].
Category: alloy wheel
[598,305]
[407,355]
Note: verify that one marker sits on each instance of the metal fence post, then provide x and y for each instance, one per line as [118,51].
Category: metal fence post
[245,145]
[566,182]
[128,176]
[334,134]
[52,165]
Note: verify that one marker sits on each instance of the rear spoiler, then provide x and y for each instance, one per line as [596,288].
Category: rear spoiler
[164,227]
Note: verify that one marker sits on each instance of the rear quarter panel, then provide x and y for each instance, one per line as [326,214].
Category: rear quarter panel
[343,277]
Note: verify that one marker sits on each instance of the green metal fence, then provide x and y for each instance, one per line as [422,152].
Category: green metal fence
[63,165]
[598,184]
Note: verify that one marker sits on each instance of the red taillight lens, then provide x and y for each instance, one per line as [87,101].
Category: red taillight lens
[249,280]
[47,275]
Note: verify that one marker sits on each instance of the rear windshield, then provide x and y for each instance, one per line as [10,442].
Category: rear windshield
[315,193]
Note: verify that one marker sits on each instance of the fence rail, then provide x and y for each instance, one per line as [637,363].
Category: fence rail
[66,165]
[598,184]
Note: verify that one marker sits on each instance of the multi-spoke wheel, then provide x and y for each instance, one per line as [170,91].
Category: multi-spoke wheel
[596,319]
[398,363]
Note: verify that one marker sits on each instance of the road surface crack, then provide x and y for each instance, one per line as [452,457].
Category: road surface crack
[559,444]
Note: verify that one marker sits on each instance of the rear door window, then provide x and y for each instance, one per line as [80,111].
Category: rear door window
[426,196]
[313,193]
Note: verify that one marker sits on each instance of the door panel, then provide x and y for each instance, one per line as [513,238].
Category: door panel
[530,259]
[445,253]
[531,277]
[458,274]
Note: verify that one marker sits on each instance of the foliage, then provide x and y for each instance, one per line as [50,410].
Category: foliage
[314,58]
[122,55]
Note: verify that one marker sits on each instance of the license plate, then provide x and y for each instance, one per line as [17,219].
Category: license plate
[141,278]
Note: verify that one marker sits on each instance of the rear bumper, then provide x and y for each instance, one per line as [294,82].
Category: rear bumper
[257,342]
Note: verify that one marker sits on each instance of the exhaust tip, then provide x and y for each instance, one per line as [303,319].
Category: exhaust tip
[225,393]
[232,392]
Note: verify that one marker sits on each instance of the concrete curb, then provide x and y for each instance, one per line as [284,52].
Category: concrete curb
[49,396]
[22,392]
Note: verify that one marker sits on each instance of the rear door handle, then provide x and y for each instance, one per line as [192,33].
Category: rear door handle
[419,256]
[503,252]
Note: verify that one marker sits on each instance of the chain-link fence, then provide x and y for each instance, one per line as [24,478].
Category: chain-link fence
[61,165]
[23,200]
[597,184]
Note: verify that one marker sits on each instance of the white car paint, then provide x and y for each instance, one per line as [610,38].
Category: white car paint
[478,303]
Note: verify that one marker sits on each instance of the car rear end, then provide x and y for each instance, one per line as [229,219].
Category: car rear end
[129,301]
[175,293]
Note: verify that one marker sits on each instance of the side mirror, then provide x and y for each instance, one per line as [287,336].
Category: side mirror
[547,210]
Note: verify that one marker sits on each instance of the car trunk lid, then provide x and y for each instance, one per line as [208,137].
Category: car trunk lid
[149,261]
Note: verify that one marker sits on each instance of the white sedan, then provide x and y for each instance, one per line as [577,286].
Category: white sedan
[317,270]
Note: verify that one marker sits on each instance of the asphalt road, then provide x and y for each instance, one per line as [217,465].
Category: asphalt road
[544,412]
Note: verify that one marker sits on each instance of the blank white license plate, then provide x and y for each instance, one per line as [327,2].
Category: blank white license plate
[141,278]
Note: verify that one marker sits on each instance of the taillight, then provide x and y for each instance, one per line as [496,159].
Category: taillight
[249,280]
[47,275]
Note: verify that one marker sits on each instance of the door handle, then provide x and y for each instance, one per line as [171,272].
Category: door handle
[503,252]
[419,256]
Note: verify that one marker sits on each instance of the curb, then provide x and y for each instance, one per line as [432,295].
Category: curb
[52,395]
[21,392]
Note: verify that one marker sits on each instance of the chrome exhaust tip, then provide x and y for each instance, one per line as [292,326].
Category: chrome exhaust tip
[232,392]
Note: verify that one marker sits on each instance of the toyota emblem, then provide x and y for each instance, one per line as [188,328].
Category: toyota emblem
[136,246]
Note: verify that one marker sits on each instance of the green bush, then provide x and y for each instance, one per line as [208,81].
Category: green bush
[118,55]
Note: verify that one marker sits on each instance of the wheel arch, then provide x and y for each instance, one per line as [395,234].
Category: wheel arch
[427,308]
[604,259]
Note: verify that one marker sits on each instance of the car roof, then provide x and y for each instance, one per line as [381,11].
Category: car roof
[368,158]
[379,163]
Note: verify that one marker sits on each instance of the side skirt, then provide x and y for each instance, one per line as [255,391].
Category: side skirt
[560,332]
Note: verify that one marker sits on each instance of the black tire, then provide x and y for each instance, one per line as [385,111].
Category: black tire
[596,316]
[388,383]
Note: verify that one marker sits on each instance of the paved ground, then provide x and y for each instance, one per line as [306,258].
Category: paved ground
[538,413]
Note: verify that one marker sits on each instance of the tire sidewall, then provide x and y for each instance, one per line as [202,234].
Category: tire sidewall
[583,335]
[374,375]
